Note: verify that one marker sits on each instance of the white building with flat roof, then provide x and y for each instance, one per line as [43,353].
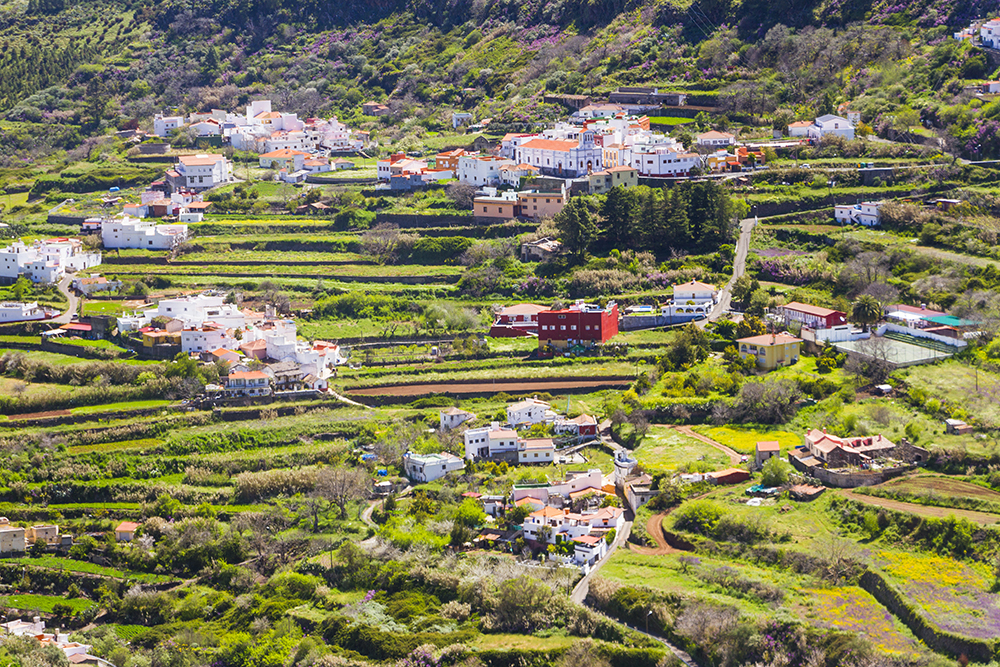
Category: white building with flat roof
[200,172]
[45,261]
[128,232]
[429,467]
[489,441]
[17,311]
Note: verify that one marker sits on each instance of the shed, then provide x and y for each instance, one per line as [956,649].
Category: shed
[728,476]
[765,450]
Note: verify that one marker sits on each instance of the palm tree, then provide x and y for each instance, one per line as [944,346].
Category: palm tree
[867,311]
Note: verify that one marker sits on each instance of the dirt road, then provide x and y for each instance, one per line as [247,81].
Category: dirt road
[981,518]
[496,386]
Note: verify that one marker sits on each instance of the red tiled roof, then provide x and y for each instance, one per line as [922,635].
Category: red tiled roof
[551,145]
[818,311]
[770,339]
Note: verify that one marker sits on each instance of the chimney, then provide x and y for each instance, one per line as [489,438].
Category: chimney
[824,430]
[774,339]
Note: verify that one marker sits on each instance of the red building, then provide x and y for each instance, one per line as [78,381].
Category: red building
[582,325]
[812,316]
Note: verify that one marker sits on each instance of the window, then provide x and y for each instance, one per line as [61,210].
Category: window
[562,328]
[573,328]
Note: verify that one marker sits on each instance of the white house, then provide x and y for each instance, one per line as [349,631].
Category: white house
[663,161]
[831,125]
[481,169]
[94,283]
[567,158]
[490,441]
[459,118]
[206,339]
[16,311]
[529,411]
[206,128]
[398,165]
[565,525]
[127,232]
[540,450]
[991,87]
[712,139]
[163,126]
[198,309]
[695,291]
[200,172]
[45,261]
[989,34]
[866,213]
[799,128]
[577,482]
[284,158]
[429,467]
[248,383]
[452,417]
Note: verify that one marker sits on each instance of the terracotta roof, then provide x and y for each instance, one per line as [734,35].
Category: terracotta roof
[199,160]
[801,123]
[695,285]
[283,153]
[551,145]
[247,375]
[127,527]
[588,539]
[725,473]
[539,443]
[811,310]
[768,446]
[770,339]
[547,512]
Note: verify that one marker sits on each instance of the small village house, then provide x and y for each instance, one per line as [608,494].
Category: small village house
[453,417]
[429,467]
[540,250]
[764,450]
[540,450]
[490,442]
[580,326]
[125,532]
[712,139]
[528,412]
[770,350]
[815,317]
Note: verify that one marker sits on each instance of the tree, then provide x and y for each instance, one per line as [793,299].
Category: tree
[866,311]
[386,243]
[871,361]
[774,472]
[759,302]
[39,548]
[619,211]
[341,485]
[21,288]
[750,326]
[577,226]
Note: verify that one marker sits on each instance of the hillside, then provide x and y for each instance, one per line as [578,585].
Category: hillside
[106,64]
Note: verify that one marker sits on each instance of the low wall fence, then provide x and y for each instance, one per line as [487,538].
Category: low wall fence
[978,650]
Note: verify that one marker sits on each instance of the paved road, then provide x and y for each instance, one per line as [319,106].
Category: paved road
[583,586]
[739,267]
[63,287]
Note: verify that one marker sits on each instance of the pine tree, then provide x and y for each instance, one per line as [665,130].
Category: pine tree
[619,213]
[577,226]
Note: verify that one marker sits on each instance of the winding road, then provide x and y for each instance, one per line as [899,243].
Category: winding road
[63,287]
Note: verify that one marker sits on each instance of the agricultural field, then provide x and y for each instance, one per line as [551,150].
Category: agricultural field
[666,450]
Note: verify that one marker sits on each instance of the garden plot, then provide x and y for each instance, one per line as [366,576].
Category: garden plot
[952,595]
[852,609]
[975,394]
[667,450]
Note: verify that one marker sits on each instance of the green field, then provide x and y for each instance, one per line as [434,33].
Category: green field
[70,565]
[44,603]
[666,450]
